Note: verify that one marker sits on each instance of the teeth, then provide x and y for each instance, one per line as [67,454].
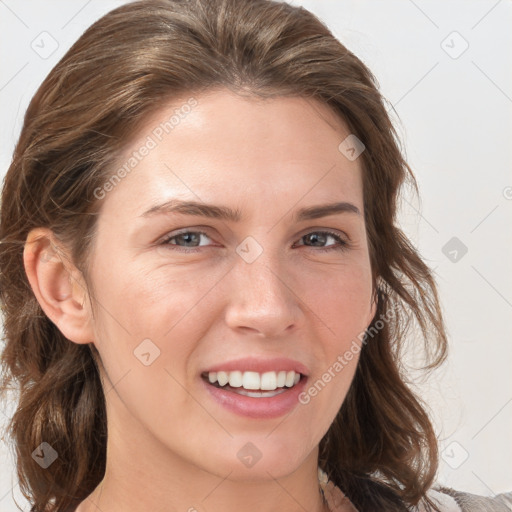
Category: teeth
[268,381]
[260,394]
[222,378]
[235,379]
[251,380]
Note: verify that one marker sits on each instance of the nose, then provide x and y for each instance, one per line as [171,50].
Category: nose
[261,299]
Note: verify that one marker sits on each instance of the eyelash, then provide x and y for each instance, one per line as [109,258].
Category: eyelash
[343,244]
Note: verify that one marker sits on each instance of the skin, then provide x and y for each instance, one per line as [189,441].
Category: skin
[170,446]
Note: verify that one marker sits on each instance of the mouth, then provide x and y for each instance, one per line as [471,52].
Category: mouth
[255,395]
[254,384]
[256,387]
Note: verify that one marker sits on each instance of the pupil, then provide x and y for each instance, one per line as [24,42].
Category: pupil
[188,236]
[316,236]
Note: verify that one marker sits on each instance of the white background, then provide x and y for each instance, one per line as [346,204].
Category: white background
[454,117]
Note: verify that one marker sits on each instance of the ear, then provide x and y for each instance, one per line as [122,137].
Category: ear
[58,285]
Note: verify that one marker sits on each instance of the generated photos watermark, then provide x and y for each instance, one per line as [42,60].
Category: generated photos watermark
[344,359]
[157,135]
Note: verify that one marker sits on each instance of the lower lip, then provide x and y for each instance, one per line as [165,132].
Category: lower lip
[264,407]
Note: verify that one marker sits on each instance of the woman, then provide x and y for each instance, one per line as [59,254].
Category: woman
[205,294]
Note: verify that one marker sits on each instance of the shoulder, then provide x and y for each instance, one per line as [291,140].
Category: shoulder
[450,500]
[444,501]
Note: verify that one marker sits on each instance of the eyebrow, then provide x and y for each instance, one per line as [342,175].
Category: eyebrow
[225,213]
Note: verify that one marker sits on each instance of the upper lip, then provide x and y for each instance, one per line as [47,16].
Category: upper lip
[253,364]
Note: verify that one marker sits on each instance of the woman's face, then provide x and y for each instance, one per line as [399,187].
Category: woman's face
[180,291]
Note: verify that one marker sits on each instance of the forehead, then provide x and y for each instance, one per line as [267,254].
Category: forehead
[222,146]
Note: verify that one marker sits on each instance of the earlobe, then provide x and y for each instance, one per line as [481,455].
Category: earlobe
[57,285]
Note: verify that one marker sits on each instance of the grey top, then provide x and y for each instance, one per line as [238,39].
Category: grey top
[446,499]
[467,502]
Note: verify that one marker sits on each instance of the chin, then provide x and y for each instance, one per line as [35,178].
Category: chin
[261,457]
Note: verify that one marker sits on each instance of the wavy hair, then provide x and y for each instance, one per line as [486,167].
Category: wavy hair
[381,449]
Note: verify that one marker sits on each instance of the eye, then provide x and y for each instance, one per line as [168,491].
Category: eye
[187,237]
[322,236]
[189,241]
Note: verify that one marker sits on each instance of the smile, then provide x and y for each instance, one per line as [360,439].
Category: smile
[249,380]
[249,398]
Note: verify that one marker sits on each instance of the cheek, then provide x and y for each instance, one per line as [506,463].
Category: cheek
[155,318]
[343,309]
[340,297]
[148,330]
[152,301]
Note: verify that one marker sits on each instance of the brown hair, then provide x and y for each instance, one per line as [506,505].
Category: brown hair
[381,450]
